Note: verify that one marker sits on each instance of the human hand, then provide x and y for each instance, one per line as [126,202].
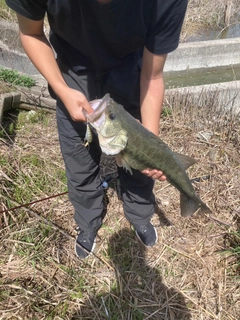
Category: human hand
[76,103]
[155,174]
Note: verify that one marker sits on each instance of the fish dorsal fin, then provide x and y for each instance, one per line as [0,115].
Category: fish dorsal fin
[185,161]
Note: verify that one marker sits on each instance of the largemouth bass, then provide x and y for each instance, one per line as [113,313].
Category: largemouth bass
[136,147]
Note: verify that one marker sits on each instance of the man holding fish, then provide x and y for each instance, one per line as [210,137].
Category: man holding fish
[97,47]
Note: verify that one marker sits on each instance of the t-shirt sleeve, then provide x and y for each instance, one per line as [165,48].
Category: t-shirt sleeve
[164,32]
[31,9]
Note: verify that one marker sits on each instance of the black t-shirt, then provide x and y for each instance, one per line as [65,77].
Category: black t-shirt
[94,36]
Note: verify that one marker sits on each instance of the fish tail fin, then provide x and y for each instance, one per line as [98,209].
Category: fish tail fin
[190,205]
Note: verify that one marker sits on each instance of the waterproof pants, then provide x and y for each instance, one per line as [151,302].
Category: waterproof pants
[82,164]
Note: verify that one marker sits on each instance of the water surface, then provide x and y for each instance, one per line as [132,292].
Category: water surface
[198,77]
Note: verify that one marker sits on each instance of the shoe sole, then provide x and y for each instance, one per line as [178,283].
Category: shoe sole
[89,253]
[148,246]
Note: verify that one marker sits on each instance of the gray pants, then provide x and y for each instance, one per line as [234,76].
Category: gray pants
[82,164]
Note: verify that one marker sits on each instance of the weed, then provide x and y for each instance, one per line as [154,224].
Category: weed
[15,78]
[166,112]
[76,295]
[5,12]
[32,117]
[7,131]
[3,4]
[10,129]
[233,248]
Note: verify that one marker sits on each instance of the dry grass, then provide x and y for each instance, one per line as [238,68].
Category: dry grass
[205,14]
[188,275]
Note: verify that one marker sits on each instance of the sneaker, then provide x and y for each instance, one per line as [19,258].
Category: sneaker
[85,243]
[147,234]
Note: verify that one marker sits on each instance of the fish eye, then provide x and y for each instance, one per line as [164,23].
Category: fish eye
[111,116]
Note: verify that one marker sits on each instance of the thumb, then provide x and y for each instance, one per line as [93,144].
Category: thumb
[87,108]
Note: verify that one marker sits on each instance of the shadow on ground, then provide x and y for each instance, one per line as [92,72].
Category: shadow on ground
[137,291]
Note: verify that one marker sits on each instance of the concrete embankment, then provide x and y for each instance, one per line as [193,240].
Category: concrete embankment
[224,96]
[189,56]
[204,54]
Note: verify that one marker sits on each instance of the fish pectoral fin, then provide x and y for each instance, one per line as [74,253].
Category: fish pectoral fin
[88,135]
[190,205]
[121,162]
[185,161]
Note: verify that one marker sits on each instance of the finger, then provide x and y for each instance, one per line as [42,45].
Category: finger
[159,175]
[84,104]
[162,178]
[151,172]
[87,107]
[146,172]
[155,174]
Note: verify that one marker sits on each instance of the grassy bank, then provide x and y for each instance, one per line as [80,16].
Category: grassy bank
[193,271]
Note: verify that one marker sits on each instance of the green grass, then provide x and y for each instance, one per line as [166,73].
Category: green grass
[6,13]
[32,117]
[30,171]
[233,248]
[13,77]
[166,112]
[28,174]
[3,4]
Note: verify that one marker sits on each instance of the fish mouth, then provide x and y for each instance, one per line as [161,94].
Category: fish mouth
[97,118]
